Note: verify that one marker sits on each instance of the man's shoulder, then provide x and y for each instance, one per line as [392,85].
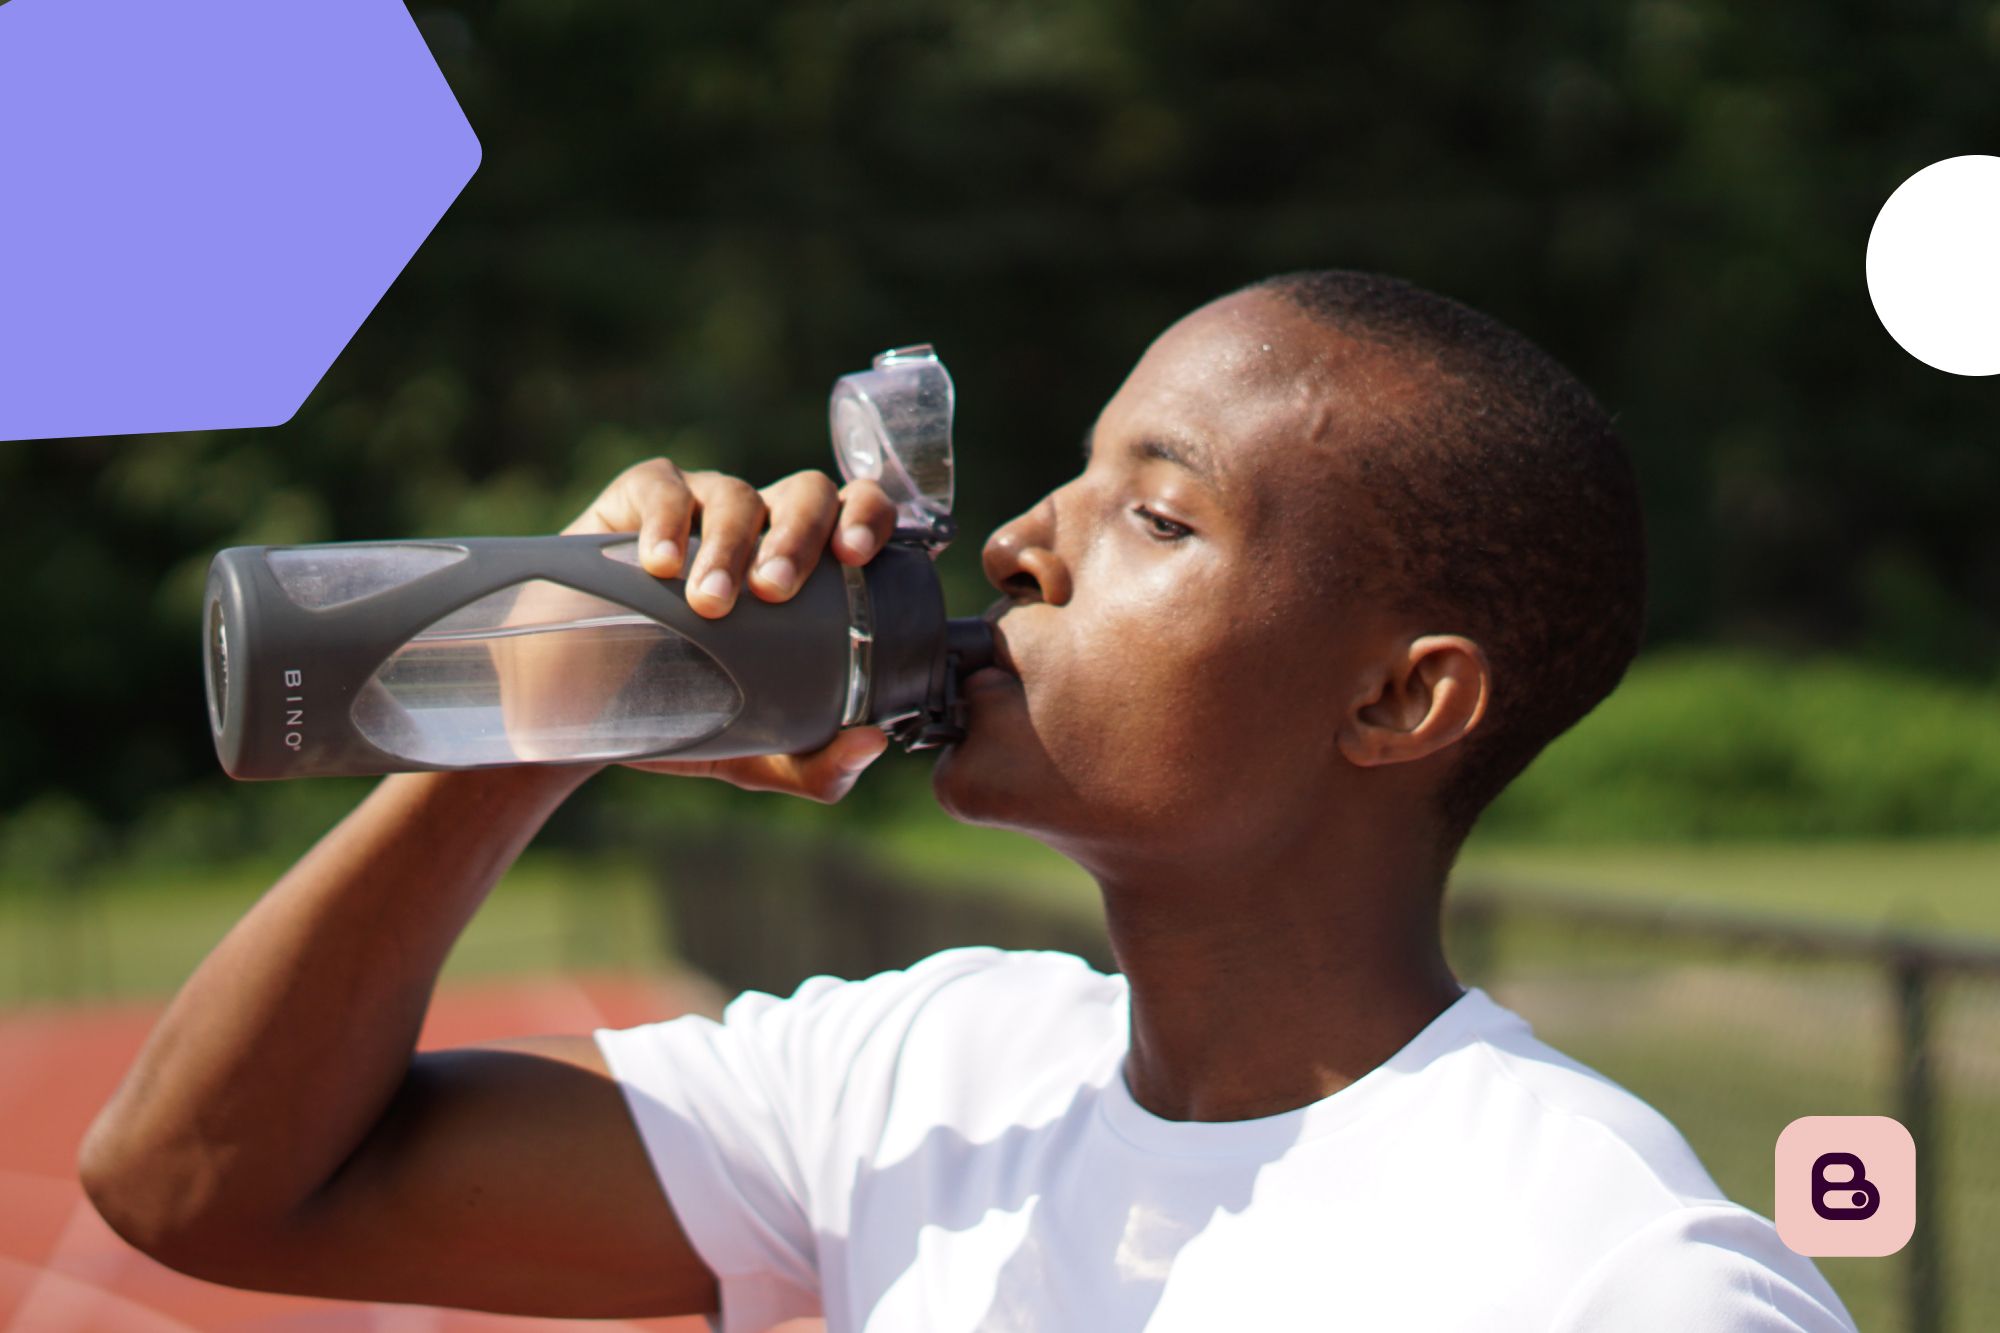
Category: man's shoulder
[950,976]
[979,1039]
[972,976]
[1012,966]
[991,1001]
[976,1000]
[1557,1108]
[1612,1190]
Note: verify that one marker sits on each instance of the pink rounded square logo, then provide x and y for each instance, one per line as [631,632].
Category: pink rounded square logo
[1847,1185]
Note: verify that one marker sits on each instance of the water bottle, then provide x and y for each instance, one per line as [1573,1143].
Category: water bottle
[357,658]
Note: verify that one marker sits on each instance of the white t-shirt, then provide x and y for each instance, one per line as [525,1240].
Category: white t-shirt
[953,1147]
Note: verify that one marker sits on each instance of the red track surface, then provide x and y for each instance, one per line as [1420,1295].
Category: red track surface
[63,1271]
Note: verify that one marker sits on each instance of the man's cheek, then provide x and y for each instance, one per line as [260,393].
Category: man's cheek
[1132,723]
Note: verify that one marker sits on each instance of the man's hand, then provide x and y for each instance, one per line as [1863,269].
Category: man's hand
[768,540]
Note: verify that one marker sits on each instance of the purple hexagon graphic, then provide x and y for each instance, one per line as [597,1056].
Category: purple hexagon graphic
[200,201]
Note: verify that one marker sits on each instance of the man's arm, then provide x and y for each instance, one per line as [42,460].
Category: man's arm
[278,1130]
[1711,1265]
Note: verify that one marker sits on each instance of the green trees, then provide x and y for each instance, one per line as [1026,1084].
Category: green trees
[690,217]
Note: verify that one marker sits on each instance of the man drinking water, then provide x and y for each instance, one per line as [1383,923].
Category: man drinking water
[1343,558]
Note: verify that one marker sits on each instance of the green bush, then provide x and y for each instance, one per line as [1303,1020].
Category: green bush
[216,821]
[1726,744]
[50,844]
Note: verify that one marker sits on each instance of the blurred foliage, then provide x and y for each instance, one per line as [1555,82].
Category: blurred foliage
[51,841]
[1701,745]
[691,217]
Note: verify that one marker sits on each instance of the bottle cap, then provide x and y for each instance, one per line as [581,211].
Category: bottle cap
[892,424]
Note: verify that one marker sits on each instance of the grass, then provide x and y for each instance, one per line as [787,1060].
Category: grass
[144,935]
[1946,886]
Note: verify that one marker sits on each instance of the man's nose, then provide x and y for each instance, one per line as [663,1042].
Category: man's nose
[1020,557]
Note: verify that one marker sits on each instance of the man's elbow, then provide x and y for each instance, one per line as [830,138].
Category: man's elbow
[165,1209]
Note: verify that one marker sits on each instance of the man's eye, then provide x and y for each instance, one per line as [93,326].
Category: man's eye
[1165,529]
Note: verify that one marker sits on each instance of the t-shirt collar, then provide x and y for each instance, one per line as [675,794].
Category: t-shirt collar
[1474,1013]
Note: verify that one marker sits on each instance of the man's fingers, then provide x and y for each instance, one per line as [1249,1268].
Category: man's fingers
[732,514]
[824,775]
[840,764]
[867,518]
[651,499]
[830,772]
[662,505]
[802,510]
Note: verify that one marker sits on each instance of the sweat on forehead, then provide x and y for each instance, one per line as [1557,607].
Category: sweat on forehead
[1267,390]
[1256,339]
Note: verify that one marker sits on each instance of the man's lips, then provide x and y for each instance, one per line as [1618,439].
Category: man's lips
[989,679]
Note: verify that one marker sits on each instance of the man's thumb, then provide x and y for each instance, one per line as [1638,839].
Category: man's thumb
[853,751]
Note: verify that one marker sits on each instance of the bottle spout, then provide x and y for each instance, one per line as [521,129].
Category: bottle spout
[969,642]
[968,646]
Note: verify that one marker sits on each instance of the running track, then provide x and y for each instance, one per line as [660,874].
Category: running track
[63,1271]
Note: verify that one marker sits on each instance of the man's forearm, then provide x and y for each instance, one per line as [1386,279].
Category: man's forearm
[283,1049]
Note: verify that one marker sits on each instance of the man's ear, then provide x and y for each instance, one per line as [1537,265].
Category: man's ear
[1431,696]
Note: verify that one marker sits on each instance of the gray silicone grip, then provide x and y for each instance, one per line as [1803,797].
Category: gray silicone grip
[290,674]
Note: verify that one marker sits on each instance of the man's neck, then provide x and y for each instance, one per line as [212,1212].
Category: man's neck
[1266,983]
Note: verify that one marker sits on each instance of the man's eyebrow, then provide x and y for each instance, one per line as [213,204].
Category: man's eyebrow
[1183,453]
[1186,454]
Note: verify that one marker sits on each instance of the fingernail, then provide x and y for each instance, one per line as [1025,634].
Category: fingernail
[717,584]
[778,572]
[666,551]
[859,539]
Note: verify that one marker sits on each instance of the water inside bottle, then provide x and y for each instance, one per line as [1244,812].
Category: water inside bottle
[542,673]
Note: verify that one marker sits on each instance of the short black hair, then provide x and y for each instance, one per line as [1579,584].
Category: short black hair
[1512,510]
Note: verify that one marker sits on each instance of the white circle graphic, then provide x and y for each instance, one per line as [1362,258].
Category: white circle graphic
[1934,265]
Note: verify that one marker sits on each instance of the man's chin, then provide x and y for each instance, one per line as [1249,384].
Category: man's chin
[955,783]
[971,785]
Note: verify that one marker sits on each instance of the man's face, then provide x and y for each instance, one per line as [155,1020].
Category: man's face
[1181,657]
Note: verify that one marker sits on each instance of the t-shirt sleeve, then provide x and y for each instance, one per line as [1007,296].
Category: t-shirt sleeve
[1713,1268]
[743,1122]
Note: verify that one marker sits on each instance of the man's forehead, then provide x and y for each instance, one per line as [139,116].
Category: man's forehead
[1254,380]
